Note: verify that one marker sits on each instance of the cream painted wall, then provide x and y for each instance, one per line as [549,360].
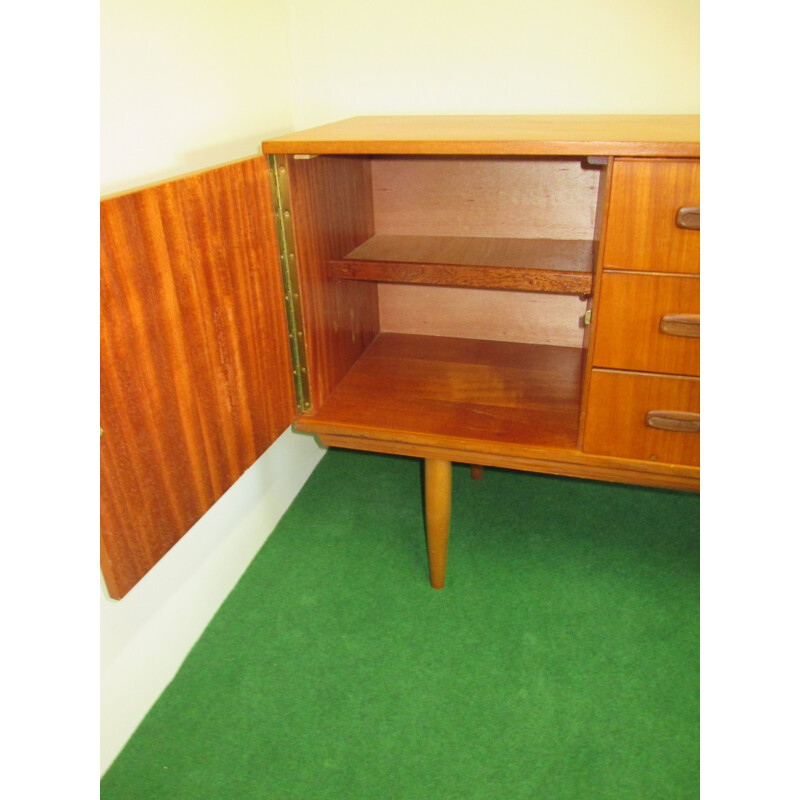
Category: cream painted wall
[188,84]
[509,56]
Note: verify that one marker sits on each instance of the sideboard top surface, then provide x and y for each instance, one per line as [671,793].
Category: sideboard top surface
[561,135]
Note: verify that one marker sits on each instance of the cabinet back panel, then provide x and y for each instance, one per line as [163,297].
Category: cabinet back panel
[513,197]
[194,356]
[501,316]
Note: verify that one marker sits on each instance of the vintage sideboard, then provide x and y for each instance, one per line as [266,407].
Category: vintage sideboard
[519,292]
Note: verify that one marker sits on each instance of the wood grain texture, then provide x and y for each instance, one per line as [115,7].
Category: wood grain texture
[538,265]
[631,135]
[438,498]
[628,321]
[456,389]
[332,214]
[558,461]
[645,198]
[616,418]
[503,316]
[519,198]
[195,371]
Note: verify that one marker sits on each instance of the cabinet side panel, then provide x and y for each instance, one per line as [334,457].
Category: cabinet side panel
[332,214]
[589,330]
[195,370]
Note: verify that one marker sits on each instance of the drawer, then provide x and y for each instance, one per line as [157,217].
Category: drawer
[643,232]
[647,322]
[620,418]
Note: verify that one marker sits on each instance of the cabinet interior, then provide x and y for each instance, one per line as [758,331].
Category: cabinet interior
[444,297]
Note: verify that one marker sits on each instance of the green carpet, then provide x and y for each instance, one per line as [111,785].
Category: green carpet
[561,661]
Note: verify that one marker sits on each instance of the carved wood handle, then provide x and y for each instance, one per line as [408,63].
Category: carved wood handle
[688,217]
[675,421]
[686,325]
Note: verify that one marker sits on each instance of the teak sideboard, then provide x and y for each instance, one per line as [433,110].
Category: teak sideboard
[518,292]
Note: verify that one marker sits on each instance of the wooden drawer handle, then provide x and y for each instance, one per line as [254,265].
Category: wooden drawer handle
[675,421]
[686,325]
[688,218]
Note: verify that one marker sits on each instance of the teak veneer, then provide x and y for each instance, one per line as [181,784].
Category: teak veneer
[533,265]
[457,391]
[520,292]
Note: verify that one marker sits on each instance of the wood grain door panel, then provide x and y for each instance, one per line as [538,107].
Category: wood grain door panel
[195,366]
[619,403]
[642,233]
[630,330]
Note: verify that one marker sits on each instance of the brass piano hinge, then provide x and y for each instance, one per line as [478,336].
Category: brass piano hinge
[281,204]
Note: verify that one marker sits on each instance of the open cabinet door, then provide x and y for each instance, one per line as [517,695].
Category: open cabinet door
[195,362]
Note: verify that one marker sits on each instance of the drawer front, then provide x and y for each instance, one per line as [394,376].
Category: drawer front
[648,322]
[647,417]
[647,199]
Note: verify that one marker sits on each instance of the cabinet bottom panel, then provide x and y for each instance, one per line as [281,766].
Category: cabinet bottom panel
[649,417]
[457,390]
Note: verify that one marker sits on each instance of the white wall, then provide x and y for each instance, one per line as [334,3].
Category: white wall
[353,57]
[188,84]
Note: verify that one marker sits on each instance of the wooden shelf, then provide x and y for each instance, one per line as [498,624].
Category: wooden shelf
[562,266]
[457,392]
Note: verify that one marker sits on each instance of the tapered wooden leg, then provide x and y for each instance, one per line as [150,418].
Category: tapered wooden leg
[438,490]
[476,472]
